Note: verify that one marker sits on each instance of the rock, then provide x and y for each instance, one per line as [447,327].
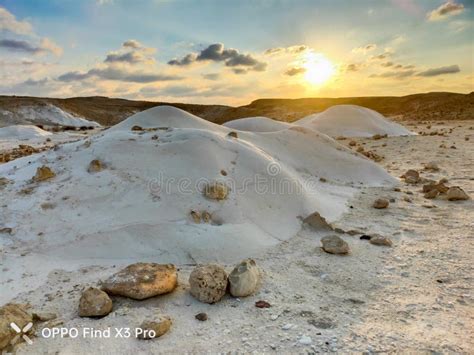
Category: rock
[262,304]
[380,240]
[201,317]
[232,134]
[322,323]
[196,216]
[43,173]
[379,136]
[455,193]
[381,203]
[244,278]
[305,340]
[6,230]
[94,303]
[432,194]
[142,280]
[137,128]
[315,220]
[152,329]
[208,283]
[216,191]
[365,237]
[433,166]
[3,182]
[44,316]
[411,176]
[12,313]
[206,217]
[95,166]
[335,245]
[352,143]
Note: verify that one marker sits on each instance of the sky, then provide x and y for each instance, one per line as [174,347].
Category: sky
[233,52]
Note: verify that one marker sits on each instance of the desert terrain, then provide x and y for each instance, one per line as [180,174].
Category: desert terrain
[414,295]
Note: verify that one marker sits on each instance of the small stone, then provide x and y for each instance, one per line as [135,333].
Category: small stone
[232,134]
[208,283]
[95,166]
[365,237]
[244,278]
[263,304]
[322,323]
[43,173]
[380,240]
[381,203]
[287,326]
[305,340]
[335,245]
[411,176]
[216,191]
[12,313]
[201,317]
[142,280]
[137,128]
[455,193]
[432,194]
[433,166]
[154,329]
[352,143]
[44,316]
[94,303]
[206,217]
[196,216]
[6,230]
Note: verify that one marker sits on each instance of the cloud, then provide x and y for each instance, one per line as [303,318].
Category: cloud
[211,76]
[132,43]
[295,71]
[449,8]
[365,49]
[452,69]
[46,45]
[382,56]
[8,22]
[19,46]
[292,49]
[395,74]
[128,57]
[186,60]
[32,82]
[117,74]
[217,53]
[387,64]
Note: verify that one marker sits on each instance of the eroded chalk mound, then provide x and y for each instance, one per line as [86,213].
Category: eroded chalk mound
[23,132]
[257,124]
[155,194]
[352,121]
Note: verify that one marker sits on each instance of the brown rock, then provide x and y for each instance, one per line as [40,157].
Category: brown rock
[455,193]
[142,280]
[208,283]
[262,304]
[352,143]
[201,317]
[411,176]
[232,134]
[151,329]
[43,173]
[432,194]
[381,203]
[216,191]
[94,303]
[433,166]
[206,217]
[196,216]
[12,313]
[380,240]
[335,245]
[95,166]
[137,128]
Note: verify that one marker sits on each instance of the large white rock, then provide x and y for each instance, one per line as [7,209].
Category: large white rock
[244,278]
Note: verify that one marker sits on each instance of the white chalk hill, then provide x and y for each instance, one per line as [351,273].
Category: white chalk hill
[352,121]
[22,132]
[257,124]
[138,207]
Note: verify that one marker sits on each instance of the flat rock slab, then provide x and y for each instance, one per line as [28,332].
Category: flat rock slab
[142,280]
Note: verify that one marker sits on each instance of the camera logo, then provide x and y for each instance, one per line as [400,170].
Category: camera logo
[21,333]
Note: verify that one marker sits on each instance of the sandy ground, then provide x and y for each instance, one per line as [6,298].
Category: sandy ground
[416,296]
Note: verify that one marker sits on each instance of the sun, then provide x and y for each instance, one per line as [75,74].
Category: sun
[319,69]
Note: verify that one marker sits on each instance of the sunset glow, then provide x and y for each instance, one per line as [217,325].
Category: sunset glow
[319,69]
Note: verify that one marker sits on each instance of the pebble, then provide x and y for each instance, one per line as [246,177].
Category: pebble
[305,340]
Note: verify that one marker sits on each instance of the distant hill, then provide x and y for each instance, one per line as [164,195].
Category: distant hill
[109,111]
